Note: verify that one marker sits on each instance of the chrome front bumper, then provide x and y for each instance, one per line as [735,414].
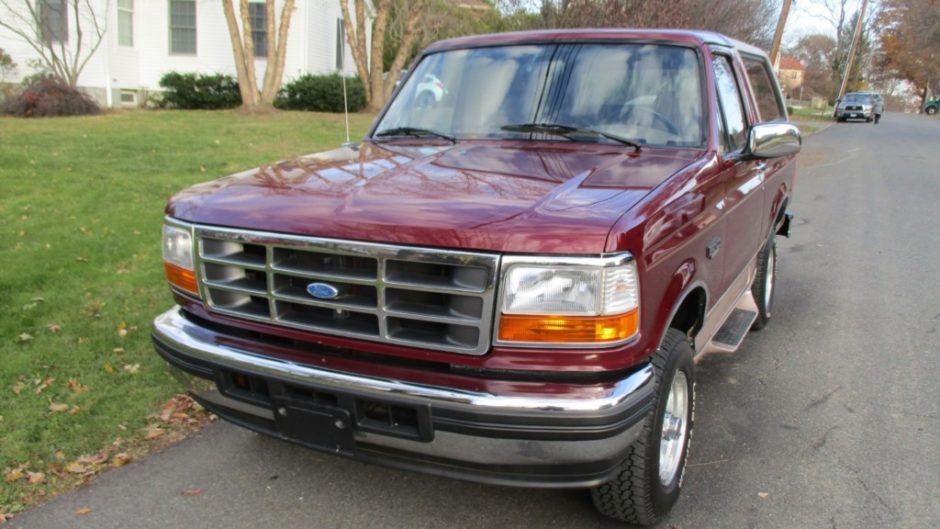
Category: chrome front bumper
[558,439]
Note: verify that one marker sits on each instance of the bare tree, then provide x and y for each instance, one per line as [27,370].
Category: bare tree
[369,64]
[243,47]
[45,26]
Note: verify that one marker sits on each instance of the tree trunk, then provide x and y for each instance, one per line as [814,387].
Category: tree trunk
[356,38]
[778,34]
[244,83]
[377,88]
[243,49]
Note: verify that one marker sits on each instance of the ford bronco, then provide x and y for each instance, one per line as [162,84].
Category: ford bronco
[509,284]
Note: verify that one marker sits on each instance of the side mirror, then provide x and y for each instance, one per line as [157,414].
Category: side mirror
[773,140]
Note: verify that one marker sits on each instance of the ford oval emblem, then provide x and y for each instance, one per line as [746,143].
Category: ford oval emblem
[322,291]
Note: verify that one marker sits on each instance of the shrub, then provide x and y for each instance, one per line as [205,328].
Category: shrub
[47,98]
[321,93]
[199,91]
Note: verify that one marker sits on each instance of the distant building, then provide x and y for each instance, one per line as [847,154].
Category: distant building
[145,39]
[790,73]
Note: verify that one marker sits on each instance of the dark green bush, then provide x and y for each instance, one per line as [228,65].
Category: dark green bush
[321,93]
[199,91]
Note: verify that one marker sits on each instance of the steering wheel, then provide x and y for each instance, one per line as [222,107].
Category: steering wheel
[667,123]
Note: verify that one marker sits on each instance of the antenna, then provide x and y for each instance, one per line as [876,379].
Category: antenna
[346,111]
[341,66]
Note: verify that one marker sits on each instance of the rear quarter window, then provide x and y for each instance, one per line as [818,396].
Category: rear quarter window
[765,95]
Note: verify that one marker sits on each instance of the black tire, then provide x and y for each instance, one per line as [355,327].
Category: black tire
[637,494]
[763,289]
[931,111]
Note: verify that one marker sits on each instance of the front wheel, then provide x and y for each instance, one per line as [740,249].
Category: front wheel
[931,111]
[764,283]
[650,478]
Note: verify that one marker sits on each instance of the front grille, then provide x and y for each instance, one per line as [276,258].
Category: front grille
[850,107]
[436,299]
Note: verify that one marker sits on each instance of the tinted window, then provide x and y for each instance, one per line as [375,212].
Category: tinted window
[730,99]
[651,94]
[766,97]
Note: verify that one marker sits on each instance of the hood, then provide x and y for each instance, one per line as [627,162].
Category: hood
[533,197]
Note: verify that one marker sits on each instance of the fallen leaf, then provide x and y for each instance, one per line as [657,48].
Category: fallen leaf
[131,368]
[763,495]
[58,407]
[5,516]
[84,230]
[81,259]
[42,384]
[108,368]
[121,459]
[153,432]
[82,340]
[35,478]
[93,459]
[14,474]
[18,387]
[118,350]
[83,511]
[191,492]
[24,337]
[54,327]
[74,409]
[76,468]
[76,386]
[59,455]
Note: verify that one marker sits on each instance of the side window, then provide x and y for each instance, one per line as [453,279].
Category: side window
[729,97]
[764,93]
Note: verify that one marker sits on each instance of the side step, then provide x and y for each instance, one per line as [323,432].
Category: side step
[735,328]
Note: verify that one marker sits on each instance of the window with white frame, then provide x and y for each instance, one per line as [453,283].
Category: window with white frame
[258,15]
[125,13]
[54,20]
[183,26]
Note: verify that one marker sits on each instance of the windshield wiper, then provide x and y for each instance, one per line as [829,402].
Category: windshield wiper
[566,130]
[416,132]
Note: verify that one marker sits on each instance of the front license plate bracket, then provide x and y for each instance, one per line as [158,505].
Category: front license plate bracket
[321,427]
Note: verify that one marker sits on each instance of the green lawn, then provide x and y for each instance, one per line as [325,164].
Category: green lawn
[811,114]
[81,206]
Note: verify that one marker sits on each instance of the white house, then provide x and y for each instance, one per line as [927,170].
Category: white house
[146,38]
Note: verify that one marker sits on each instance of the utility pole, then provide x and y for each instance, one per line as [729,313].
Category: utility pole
[778,34]
[848,64]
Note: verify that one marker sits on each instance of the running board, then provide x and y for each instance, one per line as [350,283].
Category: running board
[735,328]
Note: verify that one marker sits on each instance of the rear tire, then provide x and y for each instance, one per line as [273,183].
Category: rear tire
[765,283]
[650,478]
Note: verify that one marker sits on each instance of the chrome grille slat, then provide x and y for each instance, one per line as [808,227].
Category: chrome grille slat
[437,299]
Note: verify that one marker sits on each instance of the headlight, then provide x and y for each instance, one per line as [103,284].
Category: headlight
[574,301]
[178,258]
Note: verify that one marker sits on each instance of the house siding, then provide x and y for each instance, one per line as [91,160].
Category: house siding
[311,47]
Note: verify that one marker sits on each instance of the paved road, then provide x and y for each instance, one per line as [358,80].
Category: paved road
[828,418]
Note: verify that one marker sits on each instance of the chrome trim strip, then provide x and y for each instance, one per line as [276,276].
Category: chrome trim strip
[179,333]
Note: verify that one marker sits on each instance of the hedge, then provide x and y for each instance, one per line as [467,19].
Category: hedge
[199,91]
[321,93]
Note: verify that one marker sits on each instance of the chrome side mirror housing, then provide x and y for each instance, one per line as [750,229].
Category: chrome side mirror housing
[773,140]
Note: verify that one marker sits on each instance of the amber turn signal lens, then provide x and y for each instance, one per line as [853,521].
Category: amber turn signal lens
[568,329]
[181,277]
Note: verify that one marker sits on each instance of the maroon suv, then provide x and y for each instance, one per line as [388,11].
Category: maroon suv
[510,284]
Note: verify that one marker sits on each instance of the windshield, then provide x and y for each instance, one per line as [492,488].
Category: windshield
[648,94]
[858,98]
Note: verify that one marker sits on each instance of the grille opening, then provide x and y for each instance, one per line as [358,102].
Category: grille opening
[433,333]
[238,302]
[433,303]
[236,276]
[315,397]
[236,252]
[387,418]
[303,261]
[336,319]
[245,387]
[350,294]
[436,275]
